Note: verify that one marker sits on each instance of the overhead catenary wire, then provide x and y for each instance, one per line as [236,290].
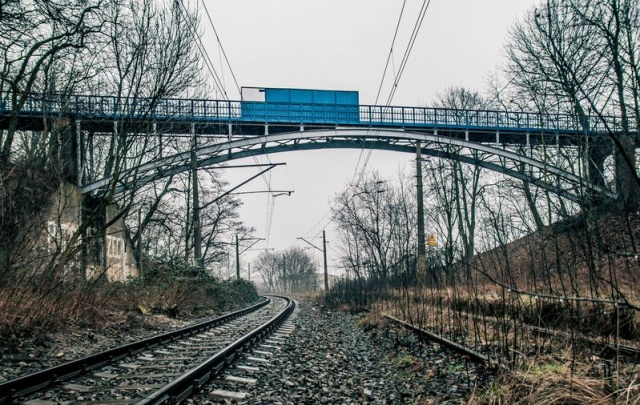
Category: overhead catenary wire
[270,204]
[359,173]
[397,76]
[219,83]
[393,42]
[203,51]
[235,80]
[215,31]
[407,53]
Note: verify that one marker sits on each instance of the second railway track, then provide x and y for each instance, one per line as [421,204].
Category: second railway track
[165,368]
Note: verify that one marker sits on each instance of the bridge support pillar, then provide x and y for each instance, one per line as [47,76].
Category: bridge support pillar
[157,136]
[67,150]
[79,154]
[99,250]
[91,168]
[596,155]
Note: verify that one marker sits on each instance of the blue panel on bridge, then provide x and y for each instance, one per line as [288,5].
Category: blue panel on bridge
[304,106]
[324,97]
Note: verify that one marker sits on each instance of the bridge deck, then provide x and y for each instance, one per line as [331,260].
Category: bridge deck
[100,111]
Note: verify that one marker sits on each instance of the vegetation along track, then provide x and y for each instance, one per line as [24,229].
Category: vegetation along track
[602,349]
[597,344]
[163,368]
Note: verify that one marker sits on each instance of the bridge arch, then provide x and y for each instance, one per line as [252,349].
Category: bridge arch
[491,157]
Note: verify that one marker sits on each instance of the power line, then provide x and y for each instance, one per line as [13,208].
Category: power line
[221,47]
[403,65]
[357,174]
[215,31]
[203,51]
[384,74]
[407,53]
[393,42]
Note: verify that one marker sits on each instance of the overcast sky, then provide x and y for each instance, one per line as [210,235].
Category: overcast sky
[343,45]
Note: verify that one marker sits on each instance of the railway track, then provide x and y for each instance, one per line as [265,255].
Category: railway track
[165,368]
[602,349]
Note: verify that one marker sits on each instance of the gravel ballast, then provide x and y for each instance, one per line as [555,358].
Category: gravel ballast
[324,357]
[330,359]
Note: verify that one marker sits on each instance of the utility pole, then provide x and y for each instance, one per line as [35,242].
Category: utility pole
[197,237]
[249,270]
[256,240]
[421,238]
[284,272]
[237,258]
[324,254]
[140,261]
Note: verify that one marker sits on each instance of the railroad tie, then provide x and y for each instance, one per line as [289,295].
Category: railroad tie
[229,395]
[240,380]
[247,368]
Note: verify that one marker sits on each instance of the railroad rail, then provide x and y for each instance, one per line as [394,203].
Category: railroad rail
[472,354]
[164,368]
[604,349]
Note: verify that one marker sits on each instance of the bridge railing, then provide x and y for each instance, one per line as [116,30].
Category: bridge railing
[109,107]
[482,119]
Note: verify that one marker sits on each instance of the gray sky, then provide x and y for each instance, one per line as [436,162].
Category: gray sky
[343,45]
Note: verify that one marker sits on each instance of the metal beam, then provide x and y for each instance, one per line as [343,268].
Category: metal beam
[381,138]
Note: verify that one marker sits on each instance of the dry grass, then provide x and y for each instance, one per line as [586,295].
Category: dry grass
[552,388]
[373,321]
[494,303]
[546,370]
[85,303]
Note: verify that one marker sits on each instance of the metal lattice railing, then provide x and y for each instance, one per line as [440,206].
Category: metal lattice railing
[199,110]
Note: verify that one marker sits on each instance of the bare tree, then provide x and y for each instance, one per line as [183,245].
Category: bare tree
[293,270]
[268,265]
[579,57]
[466,181]
[301,270]
[42,42]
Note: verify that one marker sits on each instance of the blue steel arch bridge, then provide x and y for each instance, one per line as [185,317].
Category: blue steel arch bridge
[212,132]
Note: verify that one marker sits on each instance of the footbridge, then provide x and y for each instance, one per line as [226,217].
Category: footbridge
[218,131]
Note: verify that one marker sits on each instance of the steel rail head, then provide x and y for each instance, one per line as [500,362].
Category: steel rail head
[476,356]
[36,381]
[180,388]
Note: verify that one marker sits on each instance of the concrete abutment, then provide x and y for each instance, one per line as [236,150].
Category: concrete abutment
[104,246]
